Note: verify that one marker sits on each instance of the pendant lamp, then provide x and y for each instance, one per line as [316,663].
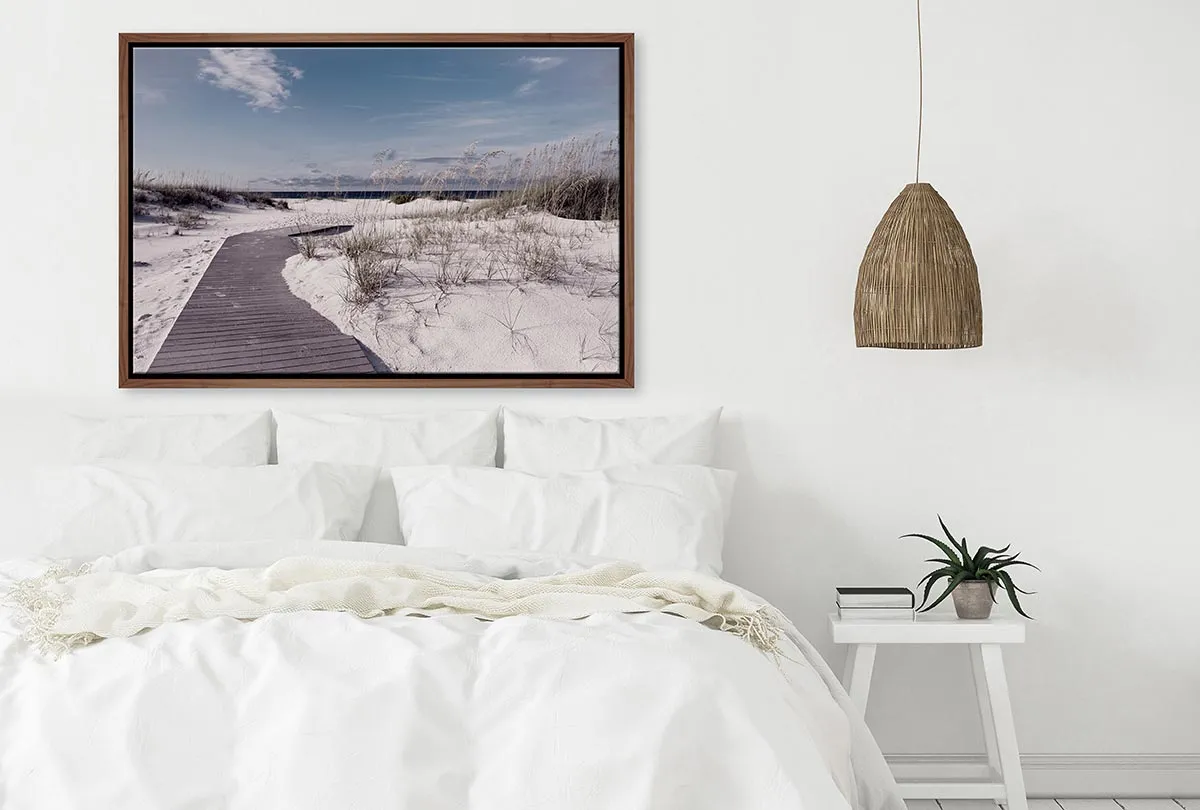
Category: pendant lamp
[918,286]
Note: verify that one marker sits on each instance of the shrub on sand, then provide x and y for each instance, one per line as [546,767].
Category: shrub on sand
[536,256]
[186,197]
[447,253]
[367,276]
[419,237]
[585,196]
[361,241]
[367,266]
[188,219]
[258,198]
[308,244]
[194,191]
[576,179]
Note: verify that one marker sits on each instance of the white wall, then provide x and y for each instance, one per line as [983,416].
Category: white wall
[771,137]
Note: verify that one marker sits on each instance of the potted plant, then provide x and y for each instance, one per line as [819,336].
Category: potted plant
[973,578]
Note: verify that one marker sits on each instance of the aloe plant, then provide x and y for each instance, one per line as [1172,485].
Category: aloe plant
[961,565]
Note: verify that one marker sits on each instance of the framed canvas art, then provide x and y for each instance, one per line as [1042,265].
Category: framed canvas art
[376,210]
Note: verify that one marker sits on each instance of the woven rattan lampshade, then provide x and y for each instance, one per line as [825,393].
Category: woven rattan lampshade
[918,286]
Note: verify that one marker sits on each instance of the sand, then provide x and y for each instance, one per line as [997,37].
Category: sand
[521,293]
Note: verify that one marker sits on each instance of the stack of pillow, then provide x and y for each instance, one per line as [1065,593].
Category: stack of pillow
[186,479]
[637,489]
[640,489]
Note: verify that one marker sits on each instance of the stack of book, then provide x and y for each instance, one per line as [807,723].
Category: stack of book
[874,604]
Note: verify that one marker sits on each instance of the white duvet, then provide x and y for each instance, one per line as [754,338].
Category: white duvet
[325,710]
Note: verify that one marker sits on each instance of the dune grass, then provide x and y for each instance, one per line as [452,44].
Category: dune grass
[193,191]
[575,179]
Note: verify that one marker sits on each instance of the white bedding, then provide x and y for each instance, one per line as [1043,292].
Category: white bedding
[664,517]
[107,506]
[545,445]
[322,710]
[229,440]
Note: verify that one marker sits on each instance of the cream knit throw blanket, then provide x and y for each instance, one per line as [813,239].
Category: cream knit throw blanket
[67,609]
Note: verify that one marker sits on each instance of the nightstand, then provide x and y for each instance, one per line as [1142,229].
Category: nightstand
[983,640]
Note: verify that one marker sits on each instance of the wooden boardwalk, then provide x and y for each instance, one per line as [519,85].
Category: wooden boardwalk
[243,319]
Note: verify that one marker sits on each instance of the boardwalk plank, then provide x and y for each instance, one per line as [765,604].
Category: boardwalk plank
[258,361]
[242,318]
[251,346]
[249,332]
[313,365]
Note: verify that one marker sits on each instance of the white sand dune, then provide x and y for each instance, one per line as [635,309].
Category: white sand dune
[519,294]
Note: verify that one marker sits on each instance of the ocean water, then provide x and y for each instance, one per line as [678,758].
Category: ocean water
[373,193]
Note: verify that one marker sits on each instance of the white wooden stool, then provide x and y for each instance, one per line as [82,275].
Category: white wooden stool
[982,639]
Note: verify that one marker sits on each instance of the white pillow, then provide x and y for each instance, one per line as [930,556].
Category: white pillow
[545,445]
[662,517]
[461,438]
[234,440]
[102,508]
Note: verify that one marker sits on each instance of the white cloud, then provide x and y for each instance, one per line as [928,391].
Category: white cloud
[527,88]
[540,63]
[256,73]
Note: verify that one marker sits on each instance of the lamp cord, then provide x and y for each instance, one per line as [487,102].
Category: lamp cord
[920,91]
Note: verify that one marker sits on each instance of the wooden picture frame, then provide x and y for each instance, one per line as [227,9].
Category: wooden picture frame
[225,312]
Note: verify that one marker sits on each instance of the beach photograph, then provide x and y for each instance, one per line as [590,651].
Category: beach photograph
[401,211]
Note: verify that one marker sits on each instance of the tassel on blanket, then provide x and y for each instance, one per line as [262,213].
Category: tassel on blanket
[40,608]
[760,628]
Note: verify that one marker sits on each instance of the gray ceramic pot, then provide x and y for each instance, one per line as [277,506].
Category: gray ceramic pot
[973,599]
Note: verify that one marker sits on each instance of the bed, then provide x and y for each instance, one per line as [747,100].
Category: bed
[201,635]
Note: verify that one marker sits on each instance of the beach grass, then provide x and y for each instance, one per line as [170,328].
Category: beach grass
[193,191]
[575,179]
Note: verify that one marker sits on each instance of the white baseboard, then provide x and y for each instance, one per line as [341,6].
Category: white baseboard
[1073,775]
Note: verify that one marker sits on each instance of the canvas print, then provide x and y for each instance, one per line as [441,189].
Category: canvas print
[412,212]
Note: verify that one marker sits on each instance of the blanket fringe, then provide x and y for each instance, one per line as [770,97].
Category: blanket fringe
[761,629]
[39,607]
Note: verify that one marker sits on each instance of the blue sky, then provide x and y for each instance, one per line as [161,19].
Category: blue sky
[296,117]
